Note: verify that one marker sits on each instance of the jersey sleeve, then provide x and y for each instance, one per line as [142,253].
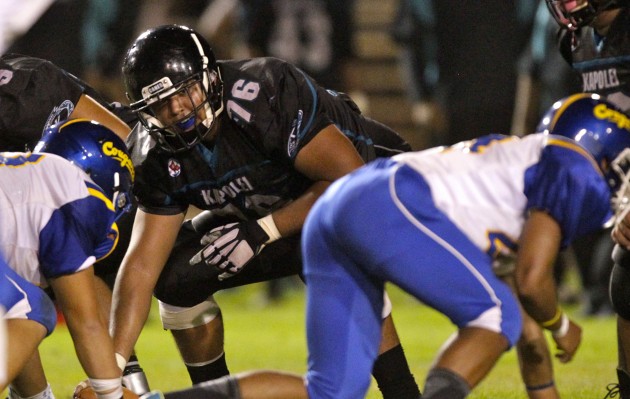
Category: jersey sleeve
[77,234]
[34,94]
[568,185]
[287,111]
[153,186]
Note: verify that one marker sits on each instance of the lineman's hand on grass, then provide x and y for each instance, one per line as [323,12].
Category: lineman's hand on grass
[84,391]
[568,343]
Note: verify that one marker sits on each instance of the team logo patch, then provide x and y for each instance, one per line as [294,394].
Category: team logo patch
[293,136]
[59,113]
[174,167]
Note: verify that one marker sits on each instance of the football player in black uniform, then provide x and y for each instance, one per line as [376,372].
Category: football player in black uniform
[595,40]
[35,94]
[253,143]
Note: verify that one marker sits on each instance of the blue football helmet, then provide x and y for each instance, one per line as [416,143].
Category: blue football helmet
[600,128]
[99,152]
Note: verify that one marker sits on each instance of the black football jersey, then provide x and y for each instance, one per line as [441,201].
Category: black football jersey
[271,111]
[34,94]
[603,62]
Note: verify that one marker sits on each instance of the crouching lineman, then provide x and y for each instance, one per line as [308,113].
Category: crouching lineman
[59,206]
[449,213]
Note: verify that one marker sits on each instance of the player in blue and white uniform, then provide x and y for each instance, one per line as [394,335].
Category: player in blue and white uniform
[253,143]
[59,206]
[35,94]
[446,215]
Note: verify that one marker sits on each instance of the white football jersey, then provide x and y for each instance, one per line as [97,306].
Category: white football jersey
[488,198]
[55,220]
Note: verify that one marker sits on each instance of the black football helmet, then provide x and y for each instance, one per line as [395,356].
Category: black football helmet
[574,14]
[173,60]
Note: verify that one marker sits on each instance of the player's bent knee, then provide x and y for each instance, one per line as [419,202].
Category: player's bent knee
[181,318]
[505,320]
[619,292]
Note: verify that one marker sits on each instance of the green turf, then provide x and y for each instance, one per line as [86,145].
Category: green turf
[272,336]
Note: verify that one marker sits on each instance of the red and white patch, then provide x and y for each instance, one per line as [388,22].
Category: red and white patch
[174,167]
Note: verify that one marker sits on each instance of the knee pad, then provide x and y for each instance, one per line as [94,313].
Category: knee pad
[619,290]
[443,383]
[181,318]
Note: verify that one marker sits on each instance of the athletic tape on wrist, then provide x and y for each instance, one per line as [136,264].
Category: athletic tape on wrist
[564,327]
[110,388]
[121,361]
[269,226]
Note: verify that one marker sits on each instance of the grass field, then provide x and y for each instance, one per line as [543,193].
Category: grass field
[273,337]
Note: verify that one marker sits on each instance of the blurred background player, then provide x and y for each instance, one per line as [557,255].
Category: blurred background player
[35,94]
[254,142]
[445,51]
[59,206]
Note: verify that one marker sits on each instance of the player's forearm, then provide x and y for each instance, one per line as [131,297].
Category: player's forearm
[88,329]
[88,108]
[130,308]
[290,219]
[93,346]
[538,297]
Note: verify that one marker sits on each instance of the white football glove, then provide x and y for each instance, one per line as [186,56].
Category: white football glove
[231,247]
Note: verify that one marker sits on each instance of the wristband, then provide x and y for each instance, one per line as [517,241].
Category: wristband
[564,327]
[110,388]
[269,226]
[553,320]
[121,361]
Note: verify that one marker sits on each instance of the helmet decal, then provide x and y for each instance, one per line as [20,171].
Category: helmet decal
[600,128]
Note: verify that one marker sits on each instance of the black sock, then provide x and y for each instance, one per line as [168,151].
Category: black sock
[211,371]
[133,377]
[132,366]
[624,384]
[444,384]
[393,376]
